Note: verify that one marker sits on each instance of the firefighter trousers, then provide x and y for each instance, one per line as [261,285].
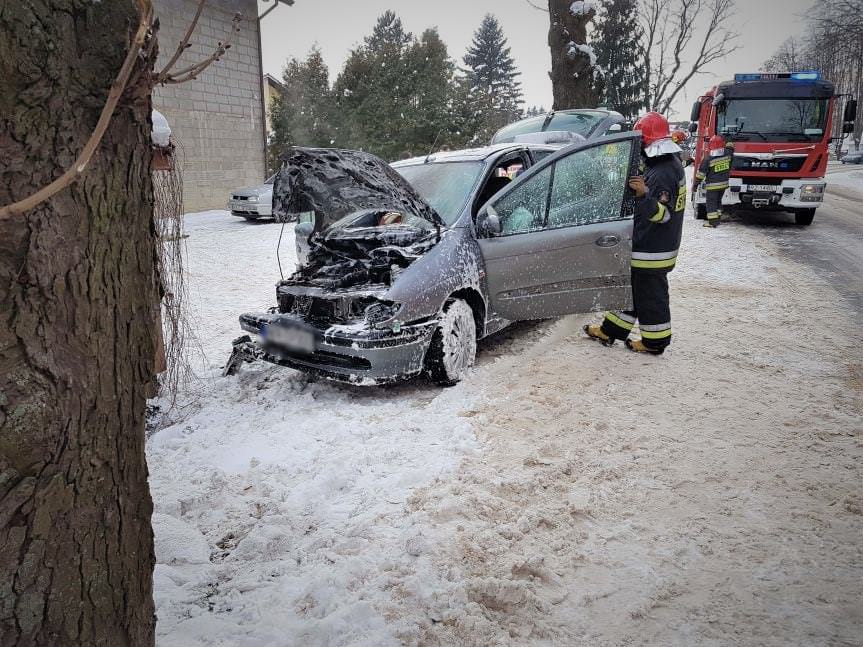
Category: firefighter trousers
[651,309]
[714,203]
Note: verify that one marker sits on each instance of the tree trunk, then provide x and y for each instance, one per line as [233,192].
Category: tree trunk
[78,302]
[573,80]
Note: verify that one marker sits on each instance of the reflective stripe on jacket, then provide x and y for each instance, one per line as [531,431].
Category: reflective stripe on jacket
[658,225]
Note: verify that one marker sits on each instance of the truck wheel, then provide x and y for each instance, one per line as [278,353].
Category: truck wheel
[804,217]
[453,346]
[701,212]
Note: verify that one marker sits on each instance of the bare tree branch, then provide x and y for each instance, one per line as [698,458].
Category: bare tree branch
[537,7]
[145,8]
[191,72]
[671,29]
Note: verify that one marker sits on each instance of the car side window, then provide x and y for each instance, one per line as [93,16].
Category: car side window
[588,186]
[523,209]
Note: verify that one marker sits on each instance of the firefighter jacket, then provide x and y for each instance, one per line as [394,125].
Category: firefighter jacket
[714,172]
[658,225]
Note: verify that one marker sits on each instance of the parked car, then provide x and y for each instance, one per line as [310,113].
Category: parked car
[407,266]
[588,124]
[853,158]
[253,202]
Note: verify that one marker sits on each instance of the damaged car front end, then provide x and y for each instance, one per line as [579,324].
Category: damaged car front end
[338,315]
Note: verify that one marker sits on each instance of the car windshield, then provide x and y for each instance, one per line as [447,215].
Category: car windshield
[772,119]
[583,123]
[445,186]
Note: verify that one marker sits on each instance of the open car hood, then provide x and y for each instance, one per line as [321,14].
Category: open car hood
[334,183]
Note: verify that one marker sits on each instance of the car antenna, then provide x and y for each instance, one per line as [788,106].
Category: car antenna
[431,150]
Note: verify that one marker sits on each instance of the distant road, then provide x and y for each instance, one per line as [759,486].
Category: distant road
[832,245]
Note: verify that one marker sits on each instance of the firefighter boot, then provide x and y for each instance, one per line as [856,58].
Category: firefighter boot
[637,346]
[594,331]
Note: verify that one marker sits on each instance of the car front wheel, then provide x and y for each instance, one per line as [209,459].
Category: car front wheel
[453,345]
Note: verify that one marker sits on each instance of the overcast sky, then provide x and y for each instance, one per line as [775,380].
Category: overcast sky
[337,26]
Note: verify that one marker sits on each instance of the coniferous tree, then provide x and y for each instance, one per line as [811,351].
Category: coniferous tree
[373,91]
[617,44]
[429,106]
[302,114]
[492,76]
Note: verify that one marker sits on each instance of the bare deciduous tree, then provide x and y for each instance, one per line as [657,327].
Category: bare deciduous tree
[833,46]
[681,38]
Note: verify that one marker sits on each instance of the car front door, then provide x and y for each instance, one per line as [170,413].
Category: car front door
[565,236]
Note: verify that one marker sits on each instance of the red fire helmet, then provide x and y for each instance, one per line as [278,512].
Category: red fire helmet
[653,127]
[716,142]
[679,136]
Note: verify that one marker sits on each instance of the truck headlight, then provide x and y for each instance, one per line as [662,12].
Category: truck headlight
[811,192]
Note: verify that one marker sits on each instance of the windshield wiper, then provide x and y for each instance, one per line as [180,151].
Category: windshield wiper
[751,132]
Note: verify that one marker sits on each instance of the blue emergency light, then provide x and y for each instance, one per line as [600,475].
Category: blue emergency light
[770,76]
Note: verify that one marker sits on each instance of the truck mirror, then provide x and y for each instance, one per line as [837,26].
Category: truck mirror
[850,113]
[848,127]
[696,109]
[693,127]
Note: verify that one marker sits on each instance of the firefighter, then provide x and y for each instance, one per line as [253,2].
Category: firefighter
[714,172]
[657,229]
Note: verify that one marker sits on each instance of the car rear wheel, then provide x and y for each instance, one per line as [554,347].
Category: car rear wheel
[804,217]
[453,345]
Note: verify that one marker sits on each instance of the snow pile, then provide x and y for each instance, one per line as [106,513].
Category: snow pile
[581,8]
[161,133]
[573,50]
[280,502]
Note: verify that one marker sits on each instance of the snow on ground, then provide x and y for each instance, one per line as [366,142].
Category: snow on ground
[852,178]
[564,493]
[296,488]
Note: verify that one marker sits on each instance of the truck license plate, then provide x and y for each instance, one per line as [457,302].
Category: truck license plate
[768,188]
[295,339]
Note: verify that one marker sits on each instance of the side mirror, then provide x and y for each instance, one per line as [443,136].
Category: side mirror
[693,127]
[848,127]
[695,114]
[488,223]
[615,128]
[850,113]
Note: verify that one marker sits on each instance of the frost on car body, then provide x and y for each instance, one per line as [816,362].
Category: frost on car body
[397,256]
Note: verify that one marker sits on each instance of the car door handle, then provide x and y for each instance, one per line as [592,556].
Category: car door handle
[607,241]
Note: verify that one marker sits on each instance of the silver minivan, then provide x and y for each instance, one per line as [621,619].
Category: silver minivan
[408,265]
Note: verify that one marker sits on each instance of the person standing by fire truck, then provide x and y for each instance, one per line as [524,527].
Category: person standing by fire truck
[660,197]
[714,172]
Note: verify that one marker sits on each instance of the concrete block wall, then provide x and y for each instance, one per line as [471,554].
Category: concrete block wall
[217,119]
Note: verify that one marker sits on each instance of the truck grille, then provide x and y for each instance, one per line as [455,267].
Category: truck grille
[776,165]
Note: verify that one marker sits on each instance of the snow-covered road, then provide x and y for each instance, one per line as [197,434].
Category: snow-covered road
[564,493]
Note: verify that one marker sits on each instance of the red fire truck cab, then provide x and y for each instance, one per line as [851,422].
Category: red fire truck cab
[781,126]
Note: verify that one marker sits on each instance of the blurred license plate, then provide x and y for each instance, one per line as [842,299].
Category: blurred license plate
[768,188]
[294,339]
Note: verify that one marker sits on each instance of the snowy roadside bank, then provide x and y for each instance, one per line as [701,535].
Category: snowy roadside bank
[280,502]
[565,493]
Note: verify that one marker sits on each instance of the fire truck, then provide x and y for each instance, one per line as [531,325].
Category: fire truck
[781,126]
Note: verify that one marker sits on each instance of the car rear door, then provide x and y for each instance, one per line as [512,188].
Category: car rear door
[566,233]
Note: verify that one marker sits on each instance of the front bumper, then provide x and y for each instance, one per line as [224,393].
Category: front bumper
[788,194]
[246,209]
[353,354]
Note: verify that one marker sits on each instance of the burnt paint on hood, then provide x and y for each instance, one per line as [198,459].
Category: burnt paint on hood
[334,183]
